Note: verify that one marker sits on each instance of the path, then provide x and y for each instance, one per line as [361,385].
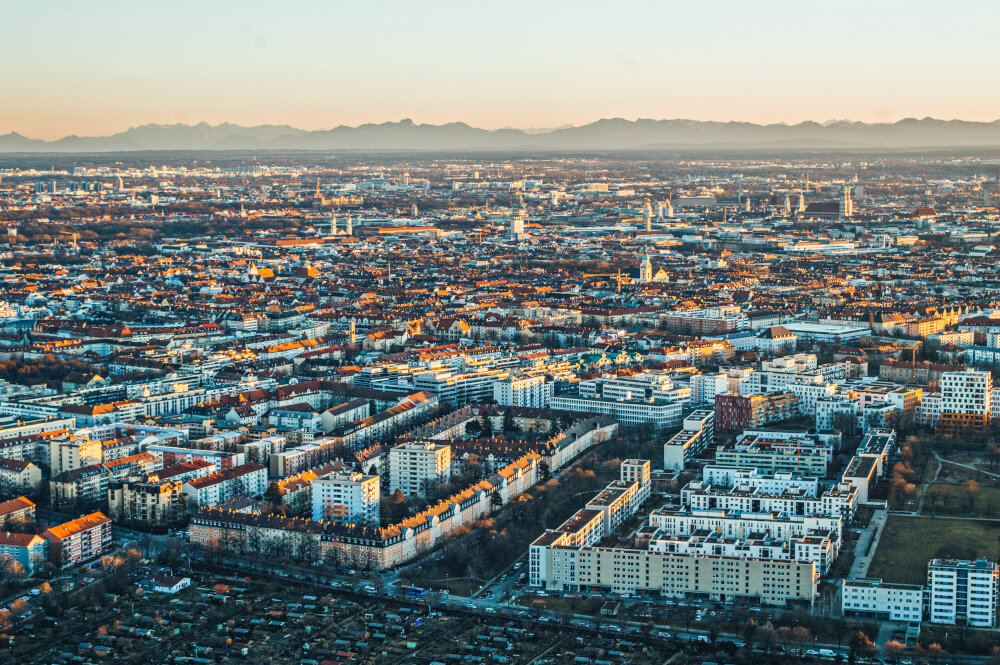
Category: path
[964,466]
[925,486]
[907,513]
[859,568]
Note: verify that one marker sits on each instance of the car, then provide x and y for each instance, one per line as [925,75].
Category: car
[812,652]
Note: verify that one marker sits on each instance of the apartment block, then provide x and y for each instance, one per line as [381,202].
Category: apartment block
[885,601]
[962,592]
[79,540]
[351,498]
[415,465]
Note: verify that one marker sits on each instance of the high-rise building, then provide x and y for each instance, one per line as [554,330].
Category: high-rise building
[351,498]
[529,391]
[417,465]
[963,592]
[965,402]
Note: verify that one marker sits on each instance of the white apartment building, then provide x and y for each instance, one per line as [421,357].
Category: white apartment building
[697,433]
[640,387]
[885,601]
[351,498]
[929,410]
[531,391]
[966,392]
[247,479]
[558,565]
[746,497]
[769,483]
[659,414]
[734,524]
[963,592]
[460,388]
[415,465]
[829,409]
[704,388]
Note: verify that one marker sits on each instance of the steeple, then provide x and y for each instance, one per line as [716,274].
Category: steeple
[646,268]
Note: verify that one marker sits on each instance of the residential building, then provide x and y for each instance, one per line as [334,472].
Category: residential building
[885,601]
[79,540]
[417,465]
[347,497]
[963,592]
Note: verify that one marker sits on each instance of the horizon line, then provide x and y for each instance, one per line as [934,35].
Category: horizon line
[526,130]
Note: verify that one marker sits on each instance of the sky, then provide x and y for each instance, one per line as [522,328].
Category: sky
[98,67]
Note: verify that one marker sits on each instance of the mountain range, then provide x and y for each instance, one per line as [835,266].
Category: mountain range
[608,134]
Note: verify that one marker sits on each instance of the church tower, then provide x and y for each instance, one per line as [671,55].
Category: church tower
[646,268]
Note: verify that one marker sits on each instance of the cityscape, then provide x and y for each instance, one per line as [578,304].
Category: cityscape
[609,392]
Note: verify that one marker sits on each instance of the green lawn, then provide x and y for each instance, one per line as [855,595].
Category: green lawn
[908,543]
[986,502]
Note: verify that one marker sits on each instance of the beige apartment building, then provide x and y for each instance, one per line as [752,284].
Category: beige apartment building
[620,570]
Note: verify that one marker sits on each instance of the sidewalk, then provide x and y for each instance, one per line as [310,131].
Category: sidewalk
[862,561]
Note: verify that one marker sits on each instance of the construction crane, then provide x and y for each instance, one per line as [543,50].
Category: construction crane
[74,236]
[619,279]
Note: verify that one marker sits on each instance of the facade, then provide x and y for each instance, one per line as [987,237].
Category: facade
[885,601]
[962,592]
[155,503]
[748,497]
[697,433]
[78,540]
[19,476]
[735,413]
[659,414]
[17,511]
[27,549]
[772,456]
[247,479]
[460,388]
[965,403]
[531,391]
[351,498]
[562,567]
[415,465]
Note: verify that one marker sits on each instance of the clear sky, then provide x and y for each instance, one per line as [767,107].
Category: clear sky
[100,66]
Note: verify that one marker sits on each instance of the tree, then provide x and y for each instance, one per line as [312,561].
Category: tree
[508,420]
[971,489]
[486,423]
[895,649]
[496,500]
[861,644]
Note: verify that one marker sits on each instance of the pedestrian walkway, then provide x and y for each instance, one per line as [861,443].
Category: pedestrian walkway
[859,568]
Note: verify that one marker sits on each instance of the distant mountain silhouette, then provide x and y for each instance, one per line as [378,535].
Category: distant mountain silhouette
[608,134]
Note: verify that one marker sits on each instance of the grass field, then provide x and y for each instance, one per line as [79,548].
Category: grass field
[907,543]
[954,500]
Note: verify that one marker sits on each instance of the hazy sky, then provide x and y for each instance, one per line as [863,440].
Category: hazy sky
[98,67]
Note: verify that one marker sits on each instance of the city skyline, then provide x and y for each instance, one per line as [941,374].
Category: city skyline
[101,68]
